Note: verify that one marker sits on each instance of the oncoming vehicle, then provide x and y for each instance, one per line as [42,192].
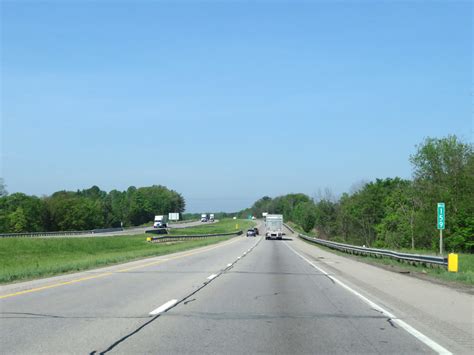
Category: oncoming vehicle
[251,233]
[159,222]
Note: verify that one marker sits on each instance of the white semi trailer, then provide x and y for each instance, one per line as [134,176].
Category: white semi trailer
[274,226]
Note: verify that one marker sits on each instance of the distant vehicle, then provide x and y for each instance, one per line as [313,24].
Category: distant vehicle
[204,217]
[251,233]
[211,217]
[160,222]
[234,217]
[274,226]
[255,229]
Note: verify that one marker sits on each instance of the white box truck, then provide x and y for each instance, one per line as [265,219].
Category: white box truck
[159,222]
[274,226]
[211,217]
[204,217]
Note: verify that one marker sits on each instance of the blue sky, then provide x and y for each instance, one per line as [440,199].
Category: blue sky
[228,102]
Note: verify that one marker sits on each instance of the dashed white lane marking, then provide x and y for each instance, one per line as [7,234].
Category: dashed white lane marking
[164,307]
[229,265]
[211,276]
[420,336]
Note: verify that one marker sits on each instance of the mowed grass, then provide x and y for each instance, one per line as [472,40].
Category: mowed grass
[30,258]
[223,226]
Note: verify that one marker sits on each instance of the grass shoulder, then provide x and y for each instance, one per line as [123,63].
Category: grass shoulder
[461,279]
[24,259]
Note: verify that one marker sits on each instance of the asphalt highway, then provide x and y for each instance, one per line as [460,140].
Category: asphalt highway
[245,295]
[126,231]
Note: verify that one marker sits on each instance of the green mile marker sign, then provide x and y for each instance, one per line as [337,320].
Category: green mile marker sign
[441,215]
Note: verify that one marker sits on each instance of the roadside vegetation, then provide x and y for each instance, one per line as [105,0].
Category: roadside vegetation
[85,209]
[395,213]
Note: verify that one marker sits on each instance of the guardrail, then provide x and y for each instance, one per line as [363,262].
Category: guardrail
[167,238]
[352,249]
[65,233]
[84,232]
[42,234]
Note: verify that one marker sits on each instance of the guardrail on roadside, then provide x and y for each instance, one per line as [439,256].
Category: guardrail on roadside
[65,233]
[167,238]
[352,249]
[43,234]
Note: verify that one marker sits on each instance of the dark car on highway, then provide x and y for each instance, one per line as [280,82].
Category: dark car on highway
[255,229]
[251,233]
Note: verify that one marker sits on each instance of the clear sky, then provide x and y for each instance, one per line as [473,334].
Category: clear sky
[226,102]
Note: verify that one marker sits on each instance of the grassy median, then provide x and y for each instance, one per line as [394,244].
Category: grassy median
[31,258]
[223,226]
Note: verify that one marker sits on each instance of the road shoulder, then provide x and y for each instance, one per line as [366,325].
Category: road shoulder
[443,313]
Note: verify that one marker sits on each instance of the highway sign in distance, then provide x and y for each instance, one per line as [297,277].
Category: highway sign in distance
[441,215]
[173,216]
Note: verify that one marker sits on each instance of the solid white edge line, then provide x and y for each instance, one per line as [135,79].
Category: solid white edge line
[211,276]
[418,335]
[163,308]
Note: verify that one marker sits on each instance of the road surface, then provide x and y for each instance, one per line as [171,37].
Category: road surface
[126,231]
[245,295]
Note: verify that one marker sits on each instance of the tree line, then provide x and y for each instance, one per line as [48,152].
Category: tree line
[394,212]
[85,209]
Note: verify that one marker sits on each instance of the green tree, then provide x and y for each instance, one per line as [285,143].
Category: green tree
[304,214]
[17,221]
[326,217]
[444,172]
[397,228]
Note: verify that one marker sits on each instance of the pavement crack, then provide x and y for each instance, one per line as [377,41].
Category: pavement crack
[194,299]
[39,316]
[182,300]
[390,321]
[266,295]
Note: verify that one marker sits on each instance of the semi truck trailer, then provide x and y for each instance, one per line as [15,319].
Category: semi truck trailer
[274,226]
